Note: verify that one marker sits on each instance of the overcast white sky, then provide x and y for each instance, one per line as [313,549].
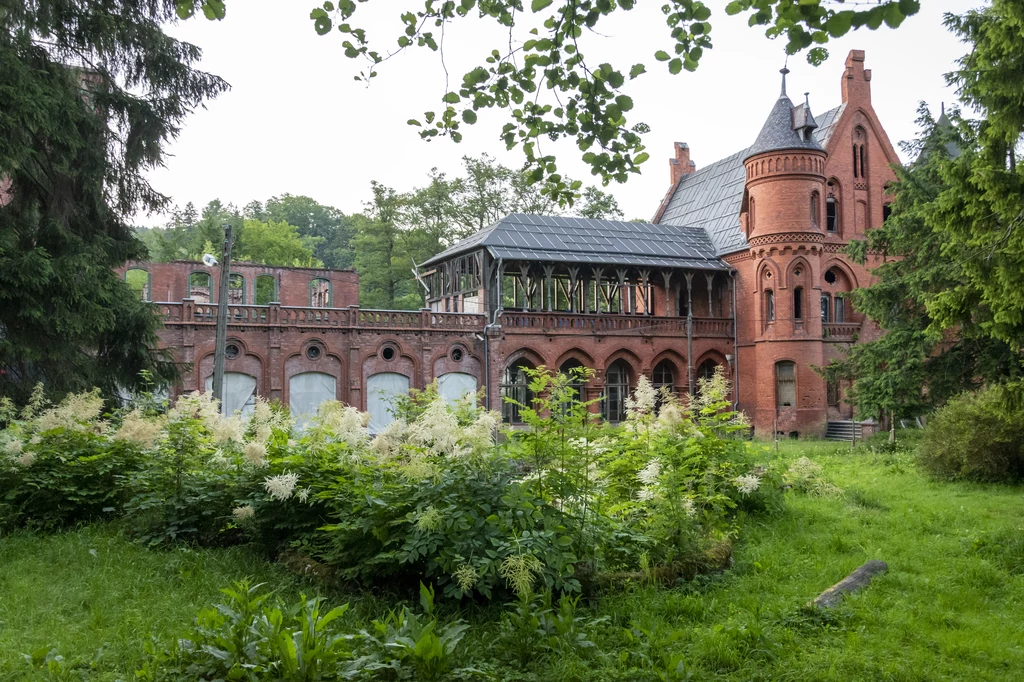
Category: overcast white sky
[295,120]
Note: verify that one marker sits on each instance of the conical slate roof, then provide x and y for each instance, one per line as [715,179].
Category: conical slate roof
[779,130]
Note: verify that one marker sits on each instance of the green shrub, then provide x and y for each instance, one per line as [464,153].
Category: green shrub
[976,437]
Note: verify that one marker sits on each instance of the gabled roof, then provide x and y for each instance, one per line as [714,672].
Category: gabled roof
[520,236]
[711,197]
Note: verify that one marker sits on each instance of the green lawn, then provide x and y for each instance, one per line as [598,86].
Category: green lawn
[949,608]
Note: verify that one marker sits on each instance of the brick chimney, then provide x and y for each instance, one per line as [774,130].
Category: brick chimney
[856,79]
[681,165]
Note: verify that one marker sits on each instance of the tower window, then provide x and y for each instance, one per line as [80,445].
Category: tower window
[855,173]
[798,303]
[832,214]
[814,208]
[769,305]
[785,384]
[863,171]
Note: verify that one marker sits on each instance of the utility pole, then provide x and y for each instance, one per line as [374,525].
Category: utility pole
[222,319]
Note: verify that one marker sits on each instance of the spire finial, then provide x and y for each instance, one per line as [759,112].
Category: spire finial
[807,99]
[943,108]
[783,71]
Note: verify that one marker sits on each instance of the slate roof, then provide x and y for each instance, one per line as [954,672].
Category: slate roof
[711,197]
[777,131]
[520,236]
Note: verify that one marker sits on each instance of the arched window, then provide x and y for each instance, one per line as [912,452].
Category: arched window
[769,305]
[139,282]
[455,386]
[616,389]
[815,199]
[200,287]
[831,214]
[307,391]
[785,384]
[574,382]
[239,392]
[840,309]
[798,303]
[825,306]
[236,289]
[855,158]
[664,380]
[382,392]
[863,162]
[515,387]
[886,211]
[705,371]
[266,289]
[750,216]
[320,293]
[663,376]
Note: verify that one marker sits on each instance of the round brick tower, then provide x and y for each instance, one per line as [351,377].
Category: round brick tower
[785,190]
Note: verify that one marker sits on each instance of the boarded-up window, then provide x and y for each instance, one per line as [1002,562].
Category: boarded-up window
[382,392]
[239,392]
[306,392]
[832,393]
[454,386]
[785,384]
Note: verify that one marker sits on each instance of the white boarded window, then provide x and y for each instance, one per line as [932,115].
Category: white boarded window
[239,392]
[381,391]
[455,386]
[306,392]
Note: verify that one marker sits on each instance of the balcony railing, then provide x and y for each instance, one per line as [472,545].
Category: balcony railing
[190,313]
[839,331]
[577,323]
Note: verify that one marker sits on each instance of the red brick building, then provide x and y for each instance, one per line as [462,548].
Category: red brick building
[741,267]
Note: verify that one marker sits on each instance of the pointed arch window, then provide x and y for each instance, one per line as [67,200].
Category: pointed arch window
[575,379]
[616,390]
[815,200]
[769,305]
[798,303]
[515,387]
[840,309]
[663,378]
[826,305]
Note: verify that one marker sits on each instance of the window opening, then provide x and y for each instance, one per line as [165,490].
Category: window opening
[266,289]
[769,304]
[200,286]
[825,305]
[785,384]
[236,289]
[831,214]
[320,293]
[840,309]
[515,386]
[138,281]
[798,303]
[616,390]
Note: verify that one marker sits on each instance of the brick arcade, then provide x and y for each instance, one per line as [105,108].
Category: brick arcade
[742,266]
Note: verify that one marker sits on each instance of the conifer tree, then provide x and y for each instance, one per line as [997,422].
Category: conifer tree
[90,92]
